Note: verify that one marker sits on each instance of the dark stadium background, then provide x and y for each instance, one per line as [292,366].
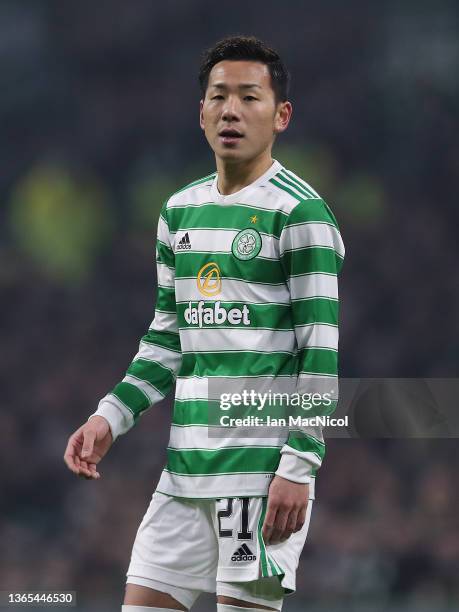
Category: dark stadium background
[99,122]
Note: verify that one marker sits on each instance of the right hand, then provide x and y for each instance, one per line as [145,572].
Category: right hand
[87,446]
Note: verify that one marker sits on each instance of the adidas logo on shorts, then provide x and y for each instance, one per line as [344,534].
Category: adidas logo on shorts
[243,553]
[184,243]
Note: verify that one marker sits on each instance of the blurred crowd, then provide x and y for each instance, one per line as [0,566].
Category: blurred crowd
[99,121]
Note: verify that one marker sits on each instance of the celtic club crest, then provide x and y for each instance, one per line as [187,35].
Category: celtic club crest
[246,244]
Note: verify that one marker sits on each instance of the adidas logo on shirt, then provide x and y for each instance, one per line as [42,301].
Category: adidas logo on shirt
[184,243]
[243,553]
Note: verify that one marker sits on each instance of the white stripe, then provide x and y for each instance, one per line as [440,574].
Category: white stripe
[200,387]
[192,195]
[298,469]
[233,290]
[221,229]
[195,339]
[258,206]
[206,241]
[304,235]
[222,437]
[265,200]
[147,388]
[303,182]
[152,352]
[119,416]
[163,232]
[317,335]
[221,485]
[314,285]
[166,276]
[197,387]
[191,388]
[318,383]
[165,321]
[220,240]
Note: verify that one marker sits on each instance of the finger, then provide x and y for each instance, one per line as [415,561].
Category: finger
[300,519]
[73,445]
[279,526]
[94,473]
[70,463]
[69,455]
[290,526]
[268,524]
[80,468]
[88,443]
[89,470]
[84,469]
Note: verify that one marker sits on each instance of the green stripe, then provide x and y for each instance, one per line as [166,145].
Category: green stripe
[280,571]
[163,212]
[238,363]
[217,216]
[284,188]
[270,316]
[285,177]
[254,270]
[165,299]
[299,183]
[263,556]
[318,361]
[164,339]
[195,412]
[311,210]
[164,254]
[315,310]
[274,570]
[275,316]
[301,441]
[207,413]
[311,259]
[223,460]
[154,373]
[132,397]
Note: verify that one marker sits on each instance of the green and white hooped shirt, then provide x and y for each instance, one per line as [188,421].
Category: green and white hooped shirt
[247,287]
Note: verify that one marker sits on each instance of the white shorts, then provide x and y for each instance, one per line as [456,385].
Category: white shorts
[216,546]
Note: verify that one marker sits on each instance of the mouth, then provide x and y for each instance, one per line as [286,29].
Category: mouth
[229,136]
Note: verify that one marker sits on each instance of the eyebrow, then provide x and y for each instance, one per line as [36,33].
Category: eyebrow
[242,86]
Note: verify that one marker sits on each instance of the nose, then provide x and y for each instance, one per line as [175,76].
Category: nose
[231,109]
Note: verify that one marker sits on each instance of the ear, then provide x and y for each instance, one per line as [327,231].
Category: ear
[282,117]
[201,116]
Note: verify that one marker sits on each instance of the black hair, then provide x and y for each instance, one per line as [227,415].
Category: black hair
[246,48]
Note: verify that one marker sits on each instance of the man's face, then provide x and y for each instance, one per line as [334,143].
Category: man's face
[239,114]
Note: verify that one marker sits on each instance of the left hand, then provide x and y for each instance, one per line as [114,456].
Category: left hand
[286,511]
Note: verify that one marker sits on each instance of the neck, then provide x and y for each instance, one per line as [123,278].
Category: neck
[234,176]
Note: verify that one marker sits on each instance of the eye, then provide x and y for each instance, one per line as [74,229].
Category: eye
[250,98]
[217,97]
